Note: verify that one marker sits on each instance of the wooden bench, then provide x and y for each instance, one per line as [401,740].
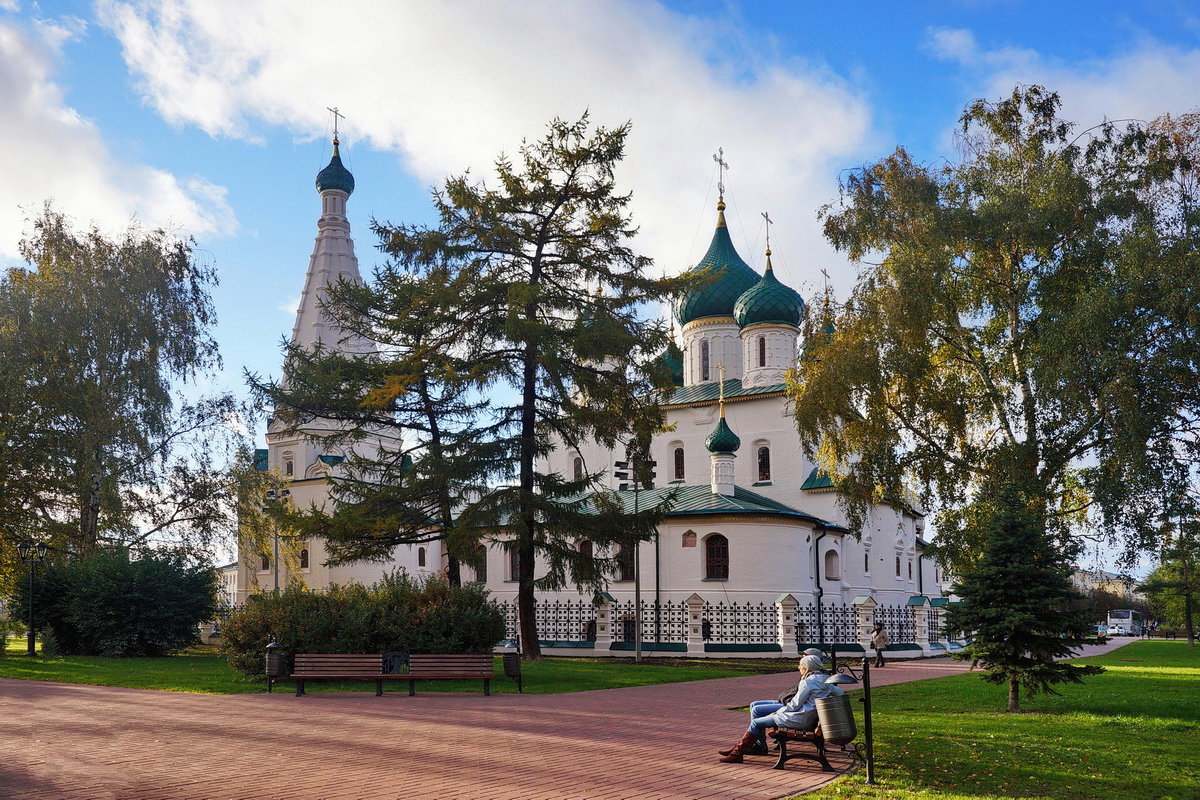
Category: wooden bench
[425,666]
[341,666]
[784,735]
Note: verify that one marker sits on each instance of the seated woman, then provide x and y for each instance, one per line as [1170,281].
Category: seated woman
[800,712]
[761,708]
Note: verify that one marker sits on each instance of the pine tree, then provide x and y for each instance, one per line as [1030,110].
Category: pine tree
[1019,607]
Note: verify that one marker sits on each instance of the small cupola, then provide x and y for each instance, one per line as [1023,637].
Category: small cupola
[722,443]
[335,175]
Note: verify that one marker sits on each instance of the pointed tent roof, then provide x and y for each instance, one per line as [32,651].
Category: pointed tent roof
[732,277]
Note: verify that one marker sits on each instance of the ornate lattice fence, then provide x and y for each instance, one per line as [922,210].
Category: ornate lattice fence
[556,620]
[740,623]
[935,625]
[665,622]
[898,621]
[836,623]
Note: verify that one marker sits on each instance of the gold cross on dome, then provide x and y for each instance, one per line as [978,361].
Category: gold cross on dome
[721,387]
[767,217]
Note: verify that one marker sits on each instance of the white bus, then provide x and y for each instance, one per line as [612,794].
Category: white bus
[1124,622]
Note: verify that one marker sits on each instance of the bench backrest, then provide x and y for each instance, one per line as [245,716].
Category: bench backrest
[316,663]
[434,664]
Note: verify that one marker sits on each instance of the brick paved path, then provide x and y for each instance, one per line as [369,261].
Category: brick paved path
[94,743]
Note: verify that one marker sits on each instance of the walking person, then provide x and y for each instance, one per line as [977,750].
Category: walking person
[879,641]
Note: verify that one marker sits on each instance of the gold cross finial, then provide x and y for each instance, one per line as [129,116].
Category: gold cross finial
[722,165]
[721,388]
[767,217]
[826,274]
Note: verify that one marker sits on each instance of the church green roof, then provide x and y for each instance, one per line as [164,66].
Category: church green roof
[709,392]
[722,439]
[817,480]
[688,501]
[769,301]
[729,276]
[335,176]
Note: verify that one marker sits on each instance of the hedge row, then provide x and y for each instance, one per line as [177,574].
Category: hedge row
[402,613]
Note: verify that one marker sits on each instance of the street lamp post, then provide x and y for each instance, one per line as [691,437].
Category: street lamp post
[31,554]
[276,498]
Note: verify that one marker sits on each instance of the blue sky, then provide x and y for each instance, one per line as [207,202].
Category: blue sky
[210,117]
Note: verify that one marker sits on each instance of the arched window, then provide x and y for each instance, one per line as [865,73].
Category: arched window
[585,548]
[624,563]
[910,570]
[897,566]
[764,463]
[289,469]
[514,563]
[578,468]
[833,569]
[866,560]
[716,558]
[420,556]
[678,463]
[480,564]
[704,371]
[266,563]
[762,351]
[304,558]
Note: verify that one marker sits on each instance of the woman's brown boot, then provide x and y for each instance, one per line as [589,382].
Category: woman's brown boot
[757,749]
[744,744]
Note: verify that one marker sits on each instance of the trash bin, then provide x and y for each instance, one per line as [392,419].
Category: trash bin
[512,669]
[275,668]
[837,720]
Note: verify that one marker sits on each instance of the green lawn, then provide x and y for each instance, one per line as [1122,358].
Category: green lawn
[202,670]
[1133,732]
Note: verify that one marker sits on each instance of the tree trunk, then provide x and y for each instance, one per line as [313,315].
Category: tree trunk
[453,573]
[1014,695]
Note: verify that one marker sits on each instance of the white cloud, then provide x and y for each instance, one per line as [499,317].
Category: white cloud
[52,153]
[448,86]
[1142,81]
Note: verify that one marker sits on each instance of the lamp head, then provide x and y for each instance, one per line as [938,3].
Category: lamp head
[840,679]
[23,551]
[41,548]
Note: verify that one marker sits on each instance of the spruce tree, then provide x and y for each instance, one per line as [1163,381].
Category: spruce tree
[1019,607]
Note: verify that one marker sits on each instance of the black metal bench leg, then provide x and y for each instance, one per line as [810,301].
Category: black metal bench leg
[379,687]
[412,687]
[487,687]
[299,687]
[783,756]
[825,765]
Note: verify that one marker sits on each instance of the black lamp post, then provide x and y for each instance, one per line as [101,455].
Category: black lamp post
[31,554]
[276,498]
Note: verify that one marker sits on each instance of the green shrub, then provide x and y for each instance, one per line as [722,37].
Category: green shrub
[401,613]
[107,604]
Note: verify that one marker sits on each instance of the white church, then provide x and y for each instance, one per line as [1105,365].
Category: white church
[754,539]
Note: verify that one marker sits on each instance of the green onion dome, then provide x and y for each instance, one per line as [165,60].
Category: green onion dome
[672,359]
[733,277]
[722,439]
[335,176]
[769,301]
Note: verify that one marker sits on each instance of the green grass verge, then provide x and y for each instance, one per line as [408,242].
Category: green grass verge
[202,670]
[1133,732]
